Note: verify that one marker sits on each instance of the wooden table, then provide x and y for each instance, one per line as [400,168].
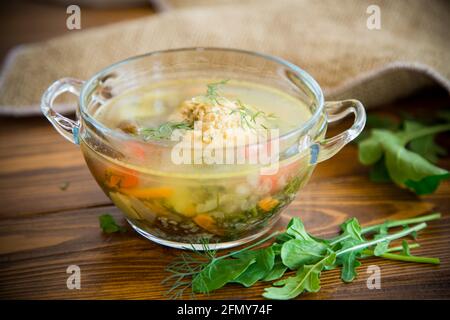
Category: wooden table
[44,229]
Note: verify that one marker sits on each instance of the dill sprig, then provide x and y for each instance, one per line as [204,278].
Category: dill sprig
[212,90]
[188,266]
[249,117]
[165,130]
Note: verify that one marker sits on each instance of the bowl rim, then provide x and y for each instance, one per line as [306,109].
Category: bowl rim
[302,74]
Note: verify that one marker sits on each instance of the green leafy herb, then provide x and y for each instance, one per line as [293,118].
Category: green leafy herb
[381,247]
[109,225]
[218,273]
[306,279]
[249,117]
[408,141]
[379,173]
[212,90]
[296,229]
[297,250]
[277,271]
[352,228]
[204,272]
[165,130]
[424,146]
[264,260]
[349,260]
[406,168]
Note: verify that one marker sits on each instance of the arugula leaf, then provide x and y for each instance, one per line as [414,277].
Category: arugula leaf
[218,273]
[379,173]
[405,168]
[277,271]
[306,279]
[349,261]
[296,252]
[352,228]
[425,146]
[382,247]
[109,225]
[296,229]
[264,263]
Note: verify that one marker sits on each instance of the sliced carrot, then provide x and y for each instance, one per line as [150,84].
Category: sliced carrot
[148,193]
[121,178]
[268,203]
[207,222]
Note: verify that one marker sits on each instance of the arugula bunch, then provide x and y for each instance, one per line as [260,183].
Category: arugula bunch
[295,251]
[404,154]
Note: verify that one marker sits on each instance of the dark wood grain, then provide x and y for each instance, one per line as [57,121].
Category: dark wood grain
[44,229]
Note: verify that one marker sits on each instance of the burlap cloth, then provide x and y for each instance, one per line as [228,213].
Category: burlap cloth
[329,39]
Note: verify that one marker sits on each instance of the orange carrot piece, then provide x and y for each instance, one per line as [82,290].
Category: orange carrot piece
[148,193]
[207,222]
[121,178]
[268,203]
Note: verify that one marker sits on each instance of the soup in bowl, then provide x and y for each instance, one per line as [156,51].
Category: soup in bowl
[202,144]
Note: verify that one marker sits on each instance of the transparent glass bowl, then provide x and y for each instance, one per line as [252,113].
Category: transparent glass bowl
[166,203]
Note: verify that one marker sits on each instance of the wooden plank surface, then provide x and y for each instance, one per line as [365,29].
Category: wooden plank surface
[44,229]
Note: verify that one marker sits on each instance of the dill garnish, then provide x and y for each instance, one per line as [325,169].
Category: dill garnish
[211,91]
[165,130]
[185,268]
[197,270]
[248,116]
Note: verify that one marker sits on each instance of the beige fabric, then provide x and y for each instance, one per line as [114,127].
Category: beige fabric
[327,38]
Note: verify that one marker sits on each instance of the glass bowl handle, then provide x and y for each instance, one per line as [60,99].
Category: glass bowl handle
[337,110]
[68,128]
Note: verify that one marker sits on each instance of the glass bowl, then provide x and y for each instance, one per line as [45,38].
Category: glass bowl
[186,205]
